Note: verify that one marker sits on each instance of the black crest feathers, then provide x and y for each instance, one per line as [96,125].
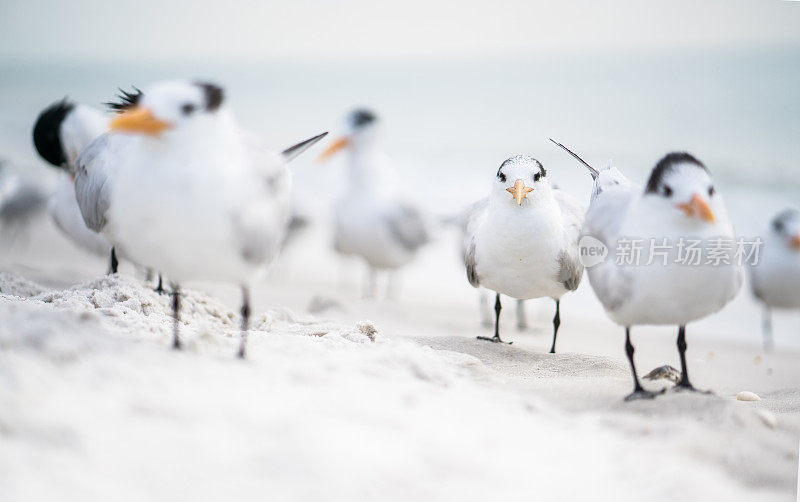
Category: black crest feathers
[126,100]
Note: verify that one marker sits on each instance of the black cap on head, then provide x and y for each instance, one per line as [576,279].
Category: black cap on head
[362,117]
[781,219]
[213,95]
[47,132]
[667,165]
[522,159]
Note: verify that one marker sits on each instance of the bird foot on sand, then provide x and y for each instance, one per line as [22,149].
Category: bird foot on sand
[495,339]
[643,394]
[687,387]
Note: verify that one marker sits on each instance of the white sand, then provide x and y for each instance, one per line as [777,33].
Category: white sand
[95,406]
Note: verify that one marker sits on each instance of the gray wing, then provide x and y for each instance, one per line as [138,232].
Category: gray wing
[92,182]
[604,219]
[570,270]
[467,219]
[407,227]
[469,263]
[26,202]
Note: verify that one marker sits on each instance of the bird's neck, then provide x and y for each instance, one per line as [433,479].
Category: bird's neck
[197,147]
[369,168]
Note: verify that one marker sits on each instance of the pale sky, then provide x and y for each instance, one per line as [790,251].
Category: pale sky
[350,29]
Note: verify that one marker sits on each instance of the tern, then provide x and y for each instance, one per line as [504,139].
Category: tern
[61,132]
[191,194]
[678,204]
[373,220]
[524,239]
[775,277]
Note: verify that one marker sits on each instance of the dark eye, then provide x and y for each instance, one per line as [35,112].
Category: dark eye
[501,177]
[537,176]
[711,191]
[667,191]
[778,226]
[187,108]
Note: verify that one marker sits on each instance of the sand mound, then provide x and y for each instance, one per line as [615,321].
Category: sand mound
[15,285]
[94,406]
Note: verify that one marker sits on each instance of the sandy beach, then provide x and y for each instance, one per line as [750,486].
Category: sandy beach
[388,398]
[363,398]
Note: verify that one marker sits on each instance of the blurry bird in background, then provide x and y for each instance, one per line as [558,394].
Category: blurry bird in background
[20,202]
[775,277]
[217,203]
[61,132]
[523,240]
[679,201]
[373,219]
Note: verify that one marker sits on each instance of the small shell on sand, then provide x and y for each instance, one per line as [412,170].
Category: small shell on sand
[746,395]
[768,418]
[665,372]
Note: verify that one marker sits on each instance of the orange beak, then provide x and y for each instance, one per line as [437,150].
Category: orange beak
[337,145]
[698,208]
[795,242]
[139,120]
[519,191]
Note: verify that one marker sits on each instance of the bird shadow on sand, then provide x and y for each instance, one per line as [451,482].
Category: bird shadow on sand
[514,361]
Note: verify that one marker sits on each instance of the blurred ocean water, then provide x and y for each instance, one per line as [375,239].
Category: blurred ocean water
[448,126]
[451,123]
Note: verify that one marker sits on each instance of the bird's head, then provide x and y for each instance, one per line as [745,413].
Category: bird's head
[686,186]
[521,181]
[47,133]
[361,128]
[786,227]
[167,106]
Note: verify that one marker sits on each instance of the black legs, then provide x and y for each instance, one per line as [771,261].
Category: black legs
[682,352]
[629,350]
[176,316]
[370,283]
[684,383]
[149,277]
[556,324]
[483,306]
[638,391]
[497,308]
[112,267]
[522,321]
[245,320]
[767,330]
